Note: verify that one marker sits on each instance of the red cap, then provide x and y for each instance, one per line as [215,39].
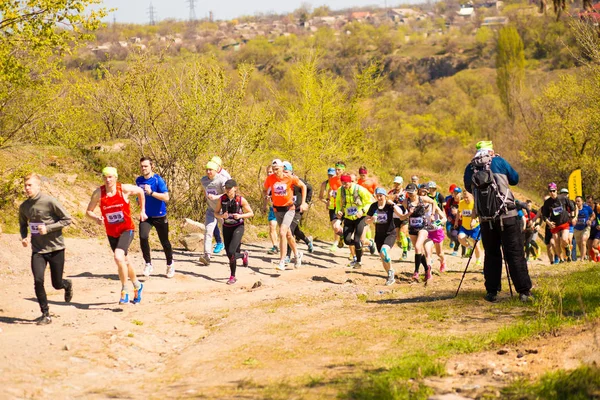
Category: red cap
[362,171]
[452,187]
[346,178]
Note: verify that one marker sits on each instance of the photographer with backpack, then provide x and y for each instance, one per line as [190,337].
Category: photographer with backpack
[488,177]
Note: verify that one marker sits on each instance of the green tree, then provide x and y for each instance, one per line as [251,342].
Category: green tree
[510,67]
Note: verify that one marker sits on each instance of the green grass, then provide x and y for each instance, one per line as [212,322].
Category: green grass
[582,383]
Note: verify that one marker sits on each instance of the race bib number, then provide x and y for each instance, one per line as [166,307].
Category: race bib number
[467,213]
[382,218]
[416,221]
[557,210]
[352,211]
[333,193]
[279,189]
[211,191]
[581,221]
[231,221]
[34,228]
[115,217]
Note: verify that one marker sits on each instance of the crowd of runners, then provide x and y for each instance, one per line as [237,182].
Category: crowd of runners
[363,214]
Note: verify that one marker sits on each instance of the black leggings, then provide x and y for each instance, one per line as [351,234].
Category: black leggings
[353,230]
[299,235]
[162,229]
[56,259]
[232,236]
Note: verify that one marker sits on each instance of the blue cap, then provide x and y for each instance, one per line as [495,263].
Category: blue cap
[331,171]
[380,190]
[457,190]
[287,166]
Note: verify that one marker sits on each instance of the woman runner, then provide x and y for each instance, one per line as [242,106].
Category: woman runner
[233,209]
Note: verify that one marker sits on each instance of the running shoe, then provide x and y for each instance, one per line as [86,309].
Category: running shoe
[286,260]
[273,250]
[356,265]
[137,294]
[351,257]
[170,270]
[469,251]
[390,278]
[351,264]
[280,266]
[204,259]
[386,256]
[124,297]
[45,319]
[428,274]
[298,262]
[478,263]
[311,247]
[372,248]
[451,245]
[333,248]
[68,290]
[218,248]
[245,258]
[454,253]
[416,276]
[442,267]
[340,243]
[231,280]
[148,268]
[404,255]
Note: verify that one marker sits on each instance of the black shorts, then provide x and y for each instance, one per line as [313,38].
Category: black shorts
[122,242]
[332,215]
[547,236]
[295,221]
[400,223]
[414,231]
[389,239]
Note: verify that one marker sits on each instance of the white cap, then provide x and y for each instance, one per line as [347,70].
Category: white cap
[277,163]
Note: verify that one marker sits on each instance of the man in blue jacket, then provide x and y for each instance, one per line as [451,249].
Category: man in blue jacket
[501,233]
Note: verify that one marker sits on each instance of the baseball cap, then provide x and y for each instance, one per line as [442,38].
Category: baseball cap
[431,185]
[362,171]
[484,145]
[109,171]
[411,188]
[552,186]
[380,190]
[564,191]
[217,160]
[287,166]
[331,171]
[414,178]
[212,165]
[346,178]
[230,184]
[457,190]
[398,179]
[277,163]
[452,187]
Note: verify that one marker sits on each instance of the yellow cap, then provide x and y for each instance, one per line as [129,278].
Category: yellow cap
[217,160]
[212,165]
[484,145]
[109,171]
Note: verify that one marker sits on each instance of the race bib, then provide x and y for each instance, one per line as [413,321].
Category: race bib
[211,191]
[557,210]
[352,211]
[34,228]
[231,221]
[115,217]
[467,213]
[279,189]
[382,218]
[416,221]
[333,193]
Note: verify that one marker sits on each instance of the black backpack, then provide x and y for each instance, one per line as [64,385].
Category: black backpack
[491,202]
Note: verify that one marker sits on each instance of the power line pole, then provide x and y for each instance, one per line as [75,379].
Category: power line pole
[151,14]
[192,4]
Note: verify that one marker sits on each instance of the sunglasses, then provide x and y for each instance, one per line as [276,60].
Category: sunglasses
[552,190]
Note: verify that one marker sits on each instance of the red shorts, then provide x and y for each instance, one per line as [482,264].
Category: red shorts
[559,228]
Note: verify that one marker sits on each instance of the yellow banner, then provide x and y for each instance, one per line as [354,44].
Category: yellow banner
[575,184]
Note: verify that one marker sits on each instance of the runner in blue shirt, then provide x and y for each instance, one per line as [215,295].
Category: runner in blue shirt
[582,227]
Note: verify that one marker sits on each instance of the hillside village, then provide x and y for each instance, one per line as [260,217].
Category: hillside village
[426,20]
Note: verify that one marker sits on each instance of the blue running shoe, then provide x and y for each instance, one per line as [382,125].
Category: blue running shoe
[137,294]
[386,256]
[311,248]
[218,248]
[451,245]
[124,298]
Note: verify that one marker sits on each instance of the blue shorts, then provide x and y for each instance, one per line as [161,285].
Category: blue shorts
[570,228]
[271,216]
[472,233]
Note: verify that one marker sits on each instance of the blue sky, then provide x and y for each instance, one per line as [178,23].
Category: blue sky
[136,11]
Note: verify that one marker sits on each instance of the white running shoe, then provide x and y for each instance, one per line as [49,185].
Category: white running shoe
[148,269]
[280,266]
[298,262]
[170,271]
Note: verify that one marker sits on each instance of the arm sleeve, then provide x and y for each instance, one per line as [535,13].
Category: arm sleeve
[64,219]
[161,185]
[23,223]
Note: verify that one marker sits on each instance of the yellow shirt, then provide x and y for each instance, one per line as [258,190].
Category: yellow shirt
[466,211]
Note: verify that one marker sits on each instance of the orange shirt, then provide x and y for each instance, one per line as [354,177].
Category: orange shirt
[335,182]
[282,189]
[368,184]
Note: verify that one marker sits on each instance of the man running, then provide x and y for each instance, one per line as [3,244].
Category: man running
[295,227]
[396,194]
[113,198]
[45,218]
[217,233]
[281,187]
[468,224]
[272,221]
[157,196]
[334,184]
[214,187]
[557,215]
[352,204]
[365,181]
[582,228]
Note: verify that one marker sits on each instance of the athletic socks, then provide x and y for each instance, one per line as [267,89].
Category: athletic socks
[417,262]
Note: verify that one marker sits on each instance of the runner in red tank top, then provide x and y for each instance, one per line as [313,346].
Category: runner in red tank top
[113,199]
